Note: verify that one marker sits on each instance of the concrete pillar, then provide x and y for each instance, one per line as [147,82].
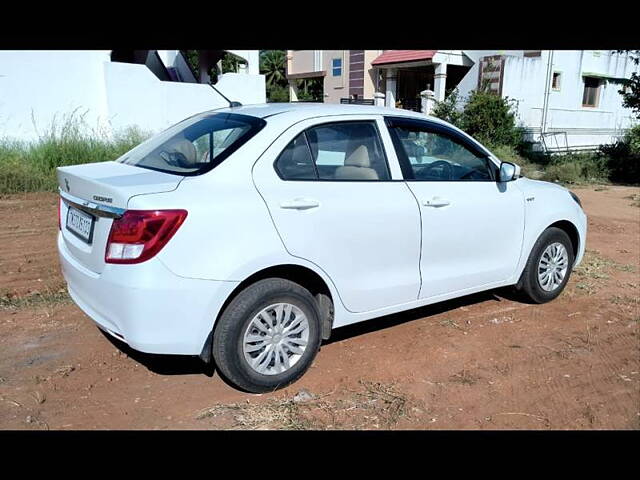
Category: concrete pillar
[378,99]
[293,91]
[428,101]
[168,57]
[391,87]
[440,79]
[253,62]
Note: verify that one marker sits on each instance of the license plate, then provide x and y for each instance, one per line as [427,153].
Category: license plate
[80,224]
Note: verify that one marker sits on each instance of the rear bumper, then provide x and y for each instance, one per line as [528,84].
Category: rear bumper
[146,305]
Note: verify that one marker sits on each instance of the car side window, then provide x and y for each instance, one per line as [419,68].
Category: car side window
[295,162]
[348,151]
[335,151]
[435,156]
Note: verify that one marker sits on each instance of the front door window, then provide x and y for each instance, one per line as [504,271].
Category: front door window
[434,156]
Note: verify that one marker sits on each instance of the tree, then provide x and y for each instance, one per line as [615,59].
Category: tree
[193,60]
[229,63]
[631,90]
[310,89]
[273,67]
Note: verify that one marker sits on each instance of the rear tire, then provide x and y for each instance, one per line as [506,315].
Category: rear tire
[268,336]
[548,267]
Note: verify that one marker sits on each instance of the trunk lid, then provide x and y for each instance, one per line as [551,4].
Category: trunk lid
[102,190]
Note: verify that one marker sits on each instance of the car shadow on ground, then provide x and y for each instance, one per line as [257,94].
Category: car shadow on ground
[388,321]
[185,365]
[164,364]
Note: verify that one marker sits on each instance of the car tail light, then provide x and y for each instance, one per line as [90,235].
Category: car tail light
[140,234]
[59,213]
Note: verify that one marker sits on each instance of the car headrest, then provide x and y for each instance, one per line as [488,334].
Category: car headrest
[358,158]
[185,147]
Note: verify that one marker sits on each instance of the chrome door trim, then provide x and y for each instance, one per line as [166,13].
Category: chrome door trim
[92,208]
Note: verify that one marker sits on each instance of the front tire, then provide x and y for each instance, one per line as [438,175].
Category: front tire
[548,267]
[268,335]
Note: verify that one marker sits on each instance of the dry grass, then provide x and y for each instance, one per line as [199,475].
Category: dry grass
[635,199]
[447,322]
[594,269]
[624,300]
[274,414]
[593,266]
[374,405]
[465,378]
[49,297]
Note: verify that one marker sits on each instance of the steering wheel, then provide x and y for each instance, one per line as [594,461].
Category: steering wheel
[438,163]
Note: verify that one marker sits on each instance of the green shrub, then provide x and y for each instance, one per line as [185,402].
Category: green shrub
[623,157]
[448,110]
[507,153]
[632,137]
[277,93]
[30,166]
[577,168]
[491,119]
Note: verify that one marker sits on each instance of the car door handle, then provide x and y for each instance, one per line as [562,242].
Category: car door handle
[436,202]
[300,204]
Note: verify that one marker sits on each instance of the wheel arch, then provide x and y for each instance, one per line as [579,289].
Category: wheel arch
[300,274]
[563,224]
[570,229]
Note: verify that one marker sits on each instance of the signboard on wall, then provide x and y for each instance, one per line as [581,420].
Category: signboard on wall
[490,74]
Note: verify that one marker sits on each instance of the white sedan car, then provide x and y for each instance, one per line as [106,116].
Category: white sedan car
[245,235]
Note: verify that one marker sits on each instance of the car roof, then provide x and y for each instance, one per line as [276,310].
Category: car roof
[286,114]
[300,110]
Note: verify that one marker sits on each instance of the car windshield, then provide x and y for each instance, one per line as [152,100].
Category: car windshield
[195,145]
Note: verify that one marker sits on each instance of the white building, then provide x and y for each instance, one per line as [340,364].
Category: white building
[565,98]
[151,89]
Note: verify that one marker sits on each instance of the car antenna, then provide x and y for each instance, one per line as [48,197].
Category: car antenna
[231,103]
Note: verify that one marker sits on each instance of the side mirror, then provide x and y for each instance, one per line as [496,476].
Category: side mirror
[508,172]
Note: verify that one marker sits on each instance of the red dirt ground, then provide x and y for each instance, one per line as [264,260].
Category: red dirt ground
[480,362]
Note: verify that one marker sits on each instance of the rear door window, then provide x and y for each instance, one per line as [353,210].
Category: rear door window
[343,151]
[295,162]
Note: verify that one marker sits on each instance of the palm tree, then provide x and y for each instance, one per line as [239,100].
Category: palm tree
[272,65]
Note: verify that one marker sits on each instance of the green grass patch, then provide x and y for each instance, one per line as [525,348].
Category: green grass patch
[577,168]
[31,166]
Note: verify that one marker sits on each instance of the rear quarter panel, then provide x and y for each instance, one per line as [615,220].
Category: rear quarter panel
[227,230]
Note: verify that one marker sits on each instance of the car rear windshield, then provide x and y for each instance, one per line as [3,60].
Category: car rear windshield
[195,145]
